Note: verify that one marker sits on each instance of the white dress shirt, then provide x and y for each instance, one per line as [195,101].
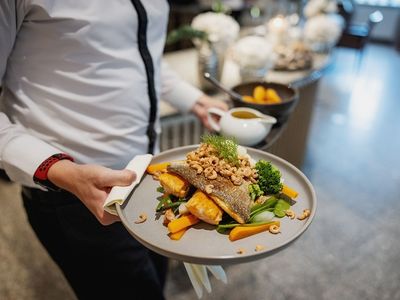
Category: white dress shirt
[73,81]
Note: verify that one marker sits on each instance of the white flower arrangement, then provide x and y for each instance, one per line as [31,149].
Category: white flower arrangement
[323,29]
[278,25]
[253,52]
[219,27]
[317,7]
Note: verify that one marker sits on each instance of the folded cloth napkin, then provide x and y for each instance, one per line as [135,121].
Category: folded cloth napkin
[199,277]
[118,194]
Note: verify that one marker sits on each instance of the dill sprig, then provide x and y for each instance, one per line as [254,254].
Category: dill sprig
[226,148]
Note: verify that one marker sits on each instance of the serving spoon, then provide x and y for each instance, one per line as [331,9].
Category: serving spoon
[221,87]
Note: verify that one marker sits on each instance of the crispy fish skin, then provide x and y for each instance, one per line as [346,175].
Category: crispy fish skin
[234,200]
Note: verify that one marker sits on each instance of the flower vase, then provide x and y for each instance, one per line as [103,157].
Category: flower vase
[210,60]
[251,74]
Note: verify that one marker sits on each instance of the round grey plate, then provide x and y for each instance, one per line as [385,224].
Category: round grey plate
[202,244]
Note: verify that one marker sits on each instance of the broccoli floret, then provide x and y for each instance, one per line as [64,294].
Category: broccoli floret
[269,177]
[255,191]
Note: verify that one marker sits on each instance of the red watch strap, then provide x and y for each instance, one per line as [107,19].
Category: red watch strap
[40,176]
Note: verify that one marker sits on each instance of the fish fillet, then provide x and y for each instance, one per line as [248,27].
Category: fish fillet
[234,200]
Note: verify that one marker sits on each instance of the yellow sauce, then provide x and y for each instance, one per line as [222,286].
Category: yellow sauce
[242,114]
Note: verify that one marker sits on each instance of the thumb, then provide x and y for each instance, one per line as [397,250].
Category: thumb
[118,177]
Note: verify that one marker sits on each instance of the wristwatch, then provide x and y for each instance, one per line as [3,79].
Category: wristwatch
[40,176]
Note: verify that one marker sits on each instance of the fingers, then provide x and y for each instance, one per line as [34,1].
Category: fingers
[203,104]
[116,178]
[208,102]
[108,219]
[104,217]
[109,179]
[206,123]
[222,105]
[95,204]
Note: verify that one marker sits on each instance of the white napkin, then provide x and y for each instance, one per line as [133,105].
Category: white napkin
[199,277]
[118,194]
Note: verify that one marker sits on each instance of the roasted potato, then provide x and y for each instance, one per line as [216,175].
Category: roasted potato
[204,208]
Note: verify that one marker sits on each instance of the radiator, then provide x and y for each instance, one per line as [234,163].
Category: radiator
[180,130]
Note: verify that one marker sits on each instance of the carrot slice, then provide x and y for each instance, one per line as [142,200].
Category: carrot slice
[288,191]
[240,232]
[152,169]
[177,235]
[182,222]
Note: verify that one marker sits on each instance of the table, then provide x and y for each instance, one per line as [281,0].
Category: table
[288,141]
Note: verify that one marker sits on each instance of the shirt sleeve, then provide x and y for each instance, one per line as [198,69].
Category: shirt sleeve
[20,152]
[7,32]
[176,91]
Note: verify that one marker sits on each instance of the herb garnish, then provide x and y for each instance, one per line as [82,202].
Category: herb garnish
[226,148]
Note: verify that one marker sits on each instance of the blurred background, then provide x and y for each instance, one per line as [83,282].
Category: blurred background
[344,134]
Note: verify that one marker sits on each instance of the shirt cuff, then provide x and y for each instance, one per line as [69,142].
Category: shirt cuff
[23,155]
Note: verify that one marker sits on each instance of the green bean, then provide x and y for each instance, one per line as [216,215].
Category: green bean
[270,203]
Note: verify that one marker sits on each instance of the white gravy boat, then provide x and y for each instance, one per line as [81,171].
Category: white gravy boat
[248,126]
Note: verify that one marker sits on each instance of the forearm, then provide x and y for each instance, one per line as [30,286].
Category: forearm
[63,174]
[176,91]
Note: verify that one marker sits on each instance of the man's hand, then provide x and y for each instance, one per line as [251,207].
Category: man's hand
[91,184]
[203,104]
